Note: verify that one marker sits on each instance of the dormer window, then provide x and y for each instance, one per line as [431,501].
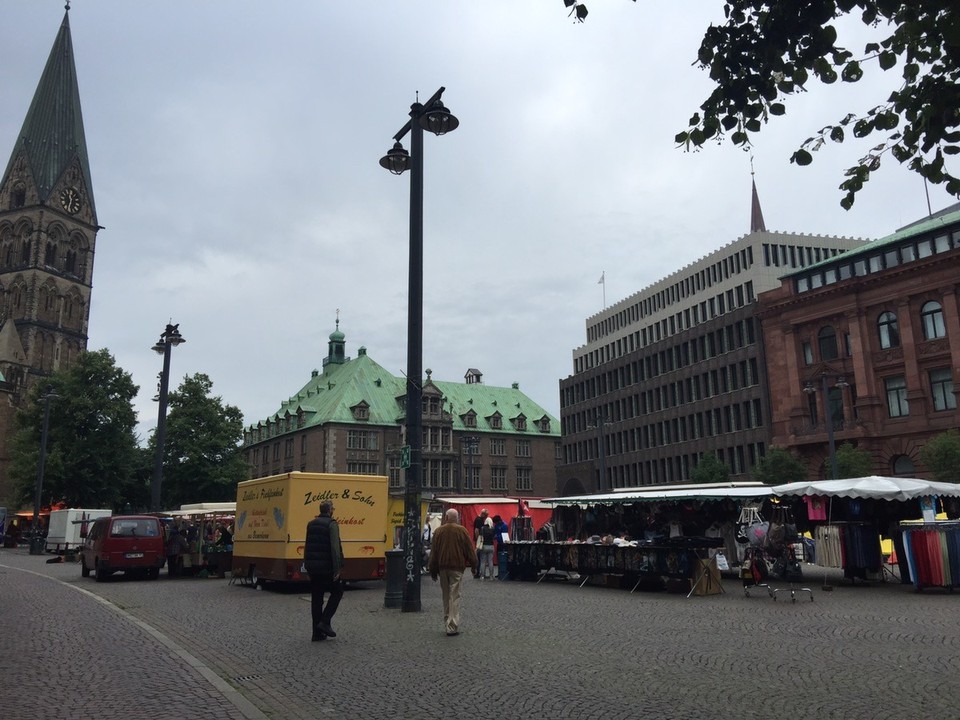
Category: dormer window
[469,419]
[361,411]
[543,424]
[496,421]
[520,423]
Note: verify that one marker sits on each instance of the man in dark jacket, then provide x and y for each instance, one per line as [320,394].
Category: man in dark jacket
[323,559]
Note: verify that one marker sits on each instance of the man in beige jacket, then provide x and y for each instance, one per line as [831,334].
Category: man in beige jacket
[451,552]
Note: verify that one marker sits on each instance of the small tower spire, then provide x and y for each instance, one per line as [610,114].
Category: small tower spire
[756,214]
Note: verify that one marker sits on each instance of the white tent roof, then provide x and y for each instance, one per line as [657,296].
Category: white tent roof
[706,491]
[876,487]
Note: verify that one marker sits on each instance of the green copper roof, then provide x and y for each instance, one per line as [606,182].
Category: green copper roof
[331,397]
[52,133]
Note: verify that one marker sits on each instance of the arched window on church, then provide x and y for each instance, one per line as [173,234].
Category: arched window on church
[50,255]
[16,300]
[25,251]
[18,198]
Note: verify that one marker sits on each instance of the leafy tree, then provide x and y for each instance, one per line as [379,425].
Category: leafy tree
[852,462]
[710,469]
[779,467]
[91,437]
[202,461]
[941,455]
[766,52]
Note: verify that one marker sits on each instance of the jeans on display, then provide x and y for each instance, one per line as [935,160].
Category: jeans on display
[486,561]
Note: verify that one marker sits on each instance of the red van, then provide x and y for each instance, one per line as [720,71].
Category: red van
[124,543]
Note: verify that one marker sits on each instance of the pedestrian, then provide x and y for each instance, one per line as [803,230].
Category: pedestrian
[486,551]
[323,559]
[502,534]
[453,551]
[478,523]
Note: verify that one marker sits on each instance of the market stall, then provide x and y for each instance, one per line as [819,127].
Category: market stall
[655,534]
[848,517]
[204,538]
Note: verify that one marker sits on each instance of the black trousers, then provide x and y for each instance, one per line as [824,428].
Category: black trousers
[319,585]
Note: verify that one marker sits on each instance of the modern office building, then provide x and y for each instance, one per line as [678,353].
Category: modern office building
[48,234]
[477,439]
[864,347]
[676,370]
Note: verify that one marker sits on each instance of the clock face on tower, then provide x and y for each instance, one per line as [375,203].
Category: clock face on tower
[70,200]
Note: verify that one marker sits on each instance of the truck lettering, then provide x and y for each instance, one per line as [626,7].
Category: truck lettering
[352,520]
[267,493]
[310,498]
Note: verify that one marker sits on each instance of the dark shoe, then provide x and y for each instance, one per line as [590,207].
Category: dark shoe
[317,635]
[326,629]
[455,632]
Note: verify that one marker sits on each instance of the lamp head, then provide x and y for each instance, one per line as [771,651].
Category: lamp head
[438,120]
[173,335]
[397,159]
[809,389]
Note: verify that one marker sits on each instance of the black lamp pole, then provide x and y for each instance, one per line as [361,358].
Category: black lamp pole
[169,338]
[36,540]
[432,116]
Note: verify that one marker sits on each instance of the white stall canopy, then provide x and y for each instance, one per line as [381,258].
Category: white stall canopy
[875,487]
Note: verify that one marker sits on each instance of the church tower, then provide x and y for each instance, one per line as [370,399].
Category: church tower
[48,231]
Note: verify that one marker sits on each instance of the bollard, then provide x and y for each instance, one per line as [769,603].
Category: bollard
[393,597]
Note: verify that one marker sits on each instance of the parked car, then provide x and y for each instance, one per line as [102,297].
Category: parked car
[124,543]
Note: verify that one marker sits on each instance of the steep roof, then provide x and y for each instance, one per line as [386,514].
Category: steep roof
[52,133]
[331,396]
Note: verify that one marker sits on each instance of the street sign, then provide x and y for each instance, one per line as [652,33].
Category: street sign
[405,456]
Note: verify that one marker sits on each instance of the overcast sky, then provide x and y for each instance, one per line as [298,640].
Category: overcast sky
[234,150]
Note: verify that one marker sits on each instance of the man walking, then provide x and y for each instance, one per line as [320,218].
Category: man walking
[323,559]
[452,551]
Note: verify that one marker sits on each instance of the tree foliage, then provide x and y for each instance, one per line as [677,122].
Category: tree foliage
[91,437]
[852,462]
[710,469]
[202,461]
[941,456]
[766,52]
[779,467]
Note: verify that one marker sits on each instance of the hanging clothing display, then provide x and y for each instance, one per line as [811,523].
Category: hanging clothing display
[853,546]
[933,553]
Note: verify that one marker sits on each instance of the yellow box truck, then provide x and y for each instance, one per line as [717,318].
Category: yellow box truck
[272,516]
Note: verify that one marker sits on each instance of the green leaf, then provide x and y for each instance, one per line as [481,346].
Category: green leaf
[852,72]
[729,122]
[802,158]
[778,109]
[836,134]
[739,138]
[753,125]
[862,128]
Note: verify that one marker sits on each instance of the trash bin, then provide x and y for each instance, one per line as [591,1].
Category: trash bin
[393,597]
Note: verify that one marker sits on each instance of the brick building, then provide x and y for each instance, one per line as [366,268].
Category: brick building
[477,439]
[867,345]
[676,370]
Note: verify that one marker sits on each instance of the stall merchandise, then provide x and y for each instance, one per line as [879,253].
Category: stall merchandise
[683,559]
[932,553]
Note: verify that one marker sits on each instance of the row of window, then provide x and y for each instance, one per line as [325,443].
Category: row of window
[714,343]
[709,423]
[439,475]
[60,253]
[795,255]
[669,326]
[888,332]
[702,386]
[941,392]
[722,269]
[891,257]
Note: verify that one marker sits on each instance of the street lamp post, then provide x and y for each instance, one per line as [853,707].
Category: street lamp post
[432,116]
[36,540]
[169,338]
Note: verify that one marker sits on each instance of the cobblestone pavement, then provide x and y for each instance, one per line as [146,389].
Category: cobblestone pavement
[195,648]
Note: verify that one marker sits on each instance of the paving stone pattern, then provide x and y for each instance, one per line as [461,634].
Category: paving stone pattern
[526,650]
